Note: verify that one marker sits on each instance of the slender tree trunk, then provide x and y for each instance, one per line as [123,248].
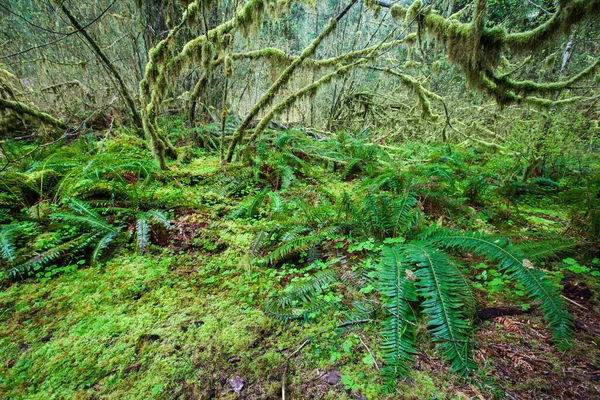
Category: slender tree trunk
[195,96]
[109,65]
[312,99]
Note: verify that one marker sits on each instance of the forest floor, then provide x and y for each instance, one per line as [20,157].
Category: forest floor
[187,320]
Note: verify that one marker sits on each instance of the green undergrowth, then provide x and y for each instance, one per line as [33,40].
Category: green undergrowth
[191,277]
[140,328]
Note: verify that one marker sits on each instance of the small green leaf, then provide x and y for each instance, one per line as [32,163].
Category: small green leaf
[368,360]
[156,389]
[367,289]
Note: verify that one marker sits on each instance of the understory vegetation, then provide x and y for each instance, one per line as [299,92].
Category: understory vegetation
[291,209]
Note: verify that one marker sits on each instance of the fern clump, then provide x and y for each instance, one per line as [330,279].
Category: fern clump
[67,208]
[418,278]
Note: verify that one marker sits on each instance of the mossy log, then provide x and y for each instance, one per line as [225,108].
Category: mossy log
[22,109]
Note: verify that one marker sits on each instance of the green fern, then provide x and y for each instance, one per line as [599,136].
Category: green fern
[251,207]
[8,249]
[142,232]
[438,280]
[142,226]
[35,262]
[276,202]
[545,249]
[513,262]
[87,216]
[381,216]
[293,246]
[301,300]
[102,245]
[398,332]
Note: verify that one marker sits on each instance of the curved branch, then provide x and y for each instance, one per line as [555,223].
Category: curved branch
[60,38]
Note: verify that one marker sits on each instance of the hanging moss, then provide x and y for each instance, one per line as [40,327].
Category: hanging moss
[250,20]
[198,89]
[412,12]
[550,60]
[228,67]
[398,13]
[435,67]
[268,96]
[423,95]
[226,41]
[529,87]
[478,50]
[161,66]
[568,13]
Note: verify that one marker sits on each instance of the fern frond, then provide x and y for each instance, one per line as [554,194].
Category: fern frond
[404,214]
[294,246]
[283,139]
[159,217]
[314,254]
[362,310]
[438,282]
[398,343]
[544,249]
[45,257]
[301,300]
[8,249]
[294,233]
[306,291]
[351,166]
[377,210]
[94,223]
[251,207]
[257,201]
[276,202]
[259,242]
[538,287]
[102,244]
[300,312]
[142,231]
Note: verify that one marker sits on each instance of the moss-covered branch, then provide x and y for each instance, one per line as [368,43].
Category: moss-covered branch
[268,96]
[423,94]
[23,109]
[529,87]
[568,13]
[478,50]
[195,95]
[279,57]
[306,91]
[154,86]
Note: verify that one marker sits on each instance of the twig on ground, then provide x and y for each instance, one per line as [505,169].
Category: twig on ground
[369,350]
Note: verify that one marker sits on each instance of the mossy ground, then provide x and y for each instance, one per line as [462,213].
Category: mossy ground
[187,319]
